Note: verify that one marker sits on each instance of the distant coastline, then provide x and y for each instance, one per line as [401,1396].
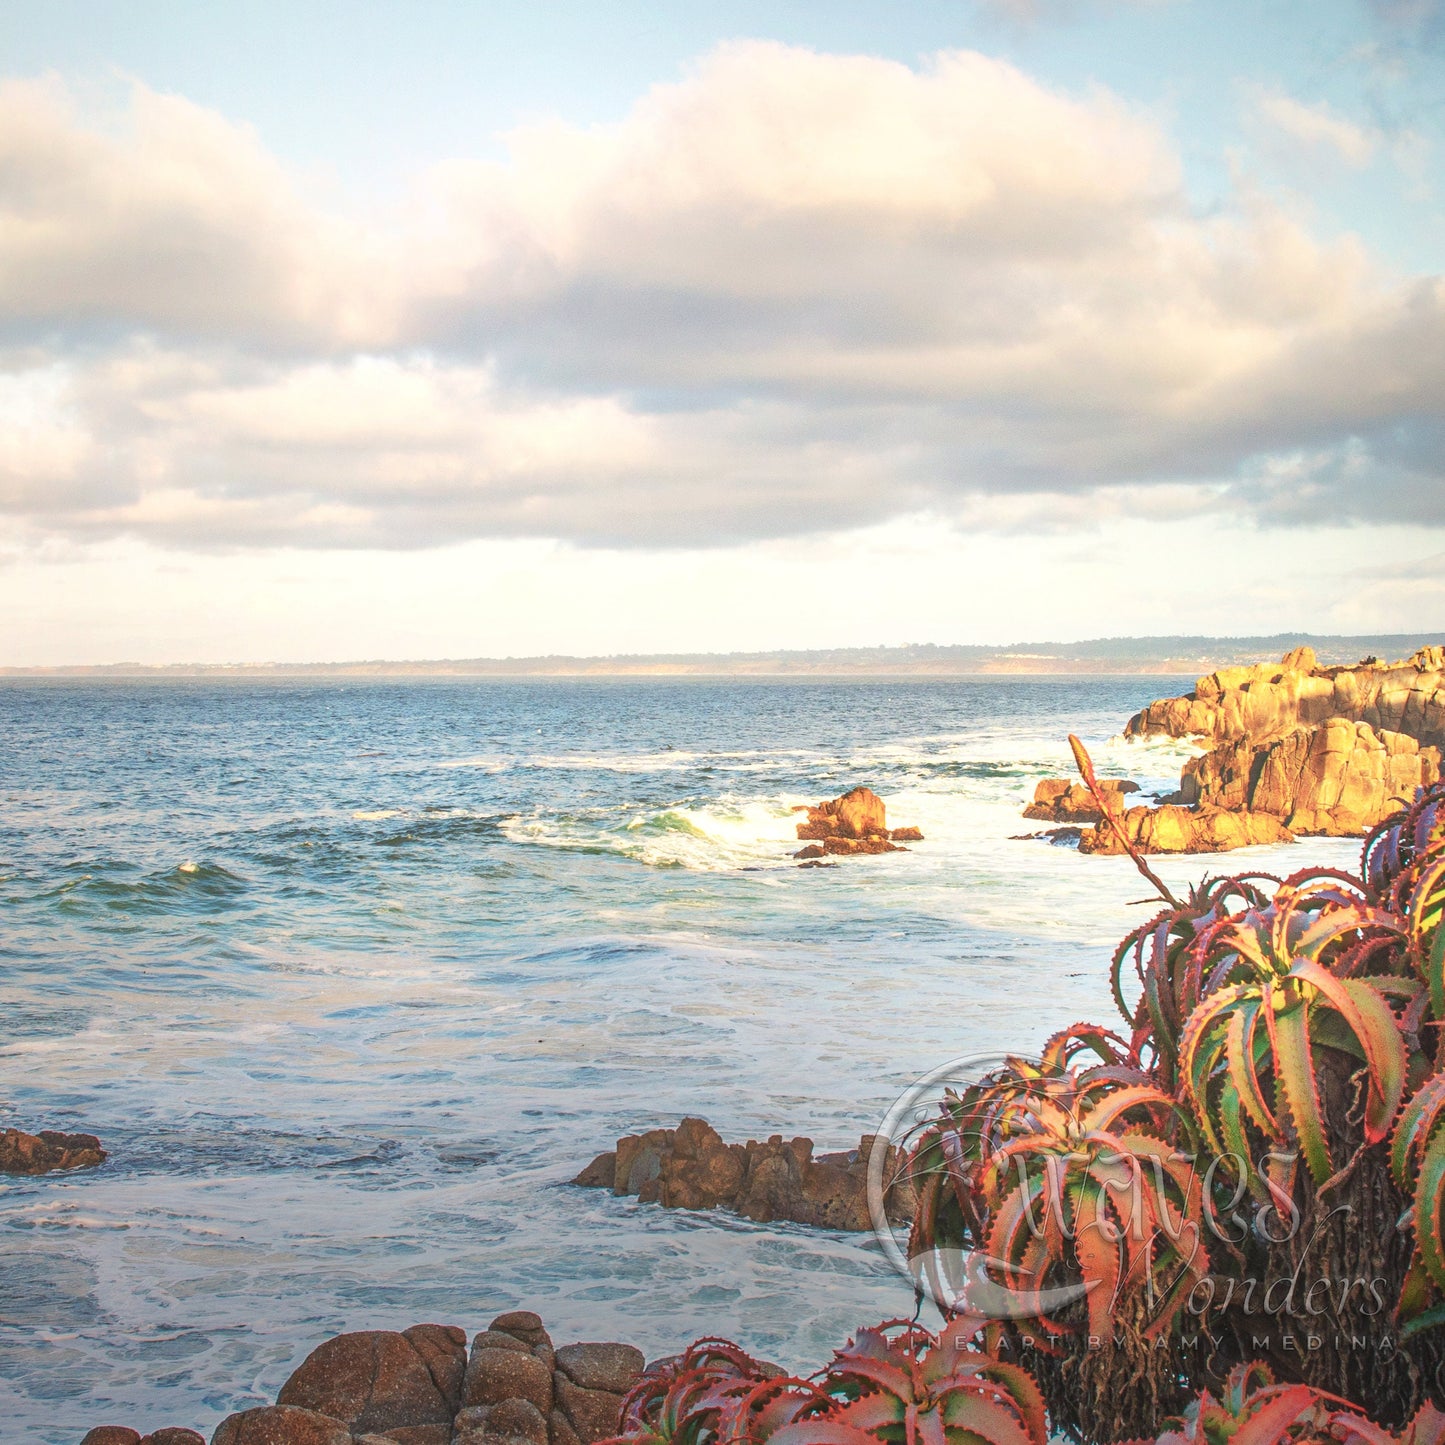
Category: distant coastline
[1165,655]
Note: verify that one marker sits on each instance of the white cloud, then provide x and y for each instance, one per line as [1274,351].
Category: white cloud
[790,292]
[1317,127]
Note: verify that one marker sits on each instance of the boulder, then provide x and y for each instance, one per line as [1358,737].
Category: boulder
[610,1367]
[1175,829]
[174,1435]
[1056,800]
[111,1435]
[601,1172]
[377,1380]
[591,1414]
[639,1160]
[281,1425]
[512,1359]
[856,814]
[1339,778]
[43,1153]
[692,1167]
[1274,698]
[511,1422]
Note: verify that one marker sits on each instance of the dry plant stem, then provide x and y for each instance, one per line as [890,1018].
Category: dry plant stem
[1085,765]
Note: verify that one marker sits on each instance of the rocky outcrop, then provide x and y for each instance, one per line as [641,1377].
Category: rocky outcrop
[1174,829]
[856,822]
[690,1167]
[1272,698]
[1056,800]
[1340,778]
[421,1387]
[47,1151]
[1297,749]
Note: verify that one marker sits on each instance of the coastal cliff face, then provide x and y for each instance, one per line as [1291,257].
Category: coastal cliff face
[1298,749]
[1254,702]
[1338,779]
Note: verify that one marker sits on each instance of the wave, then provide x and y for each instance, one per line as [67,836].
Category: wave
[707,837]
[189,887]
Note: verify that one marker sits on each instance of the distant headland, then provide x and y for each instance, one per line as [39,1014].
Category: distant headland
[1182,655]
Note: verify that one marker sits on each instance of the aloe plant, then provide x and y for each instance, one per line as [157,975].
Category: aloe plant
[1251,1409]
[892,1383]
[1167,967]
[1278,984]
[1059,1200]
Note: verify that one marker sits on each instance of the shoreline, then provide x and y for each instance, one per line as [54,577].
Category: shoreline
[1096,657]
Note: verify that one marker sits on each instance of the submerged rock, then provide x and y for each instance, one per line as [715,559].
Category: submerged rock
[691,1167]
[856,822]
[43,1153]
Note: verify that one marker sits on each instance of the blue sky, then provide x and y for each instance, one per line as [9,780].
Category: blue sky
[364,305]
[367,93]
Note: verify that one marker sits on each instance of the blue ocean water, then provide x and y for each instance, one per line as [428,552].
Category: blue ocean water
[352,976]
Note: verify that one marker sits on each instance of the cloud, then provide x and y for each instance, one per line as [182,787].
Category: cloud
[787,293]
[1316,127]
[167,217]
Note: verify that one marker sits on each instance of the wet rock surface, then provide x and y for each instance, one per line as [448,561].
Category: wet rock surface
[692,1167]
[48,1151]
[856,822]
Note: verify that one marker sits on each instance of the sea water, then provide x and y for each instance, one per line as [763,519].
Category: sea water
[352,977]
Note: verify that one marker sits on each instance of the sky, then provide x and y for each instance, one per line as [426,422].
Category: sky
[334,331]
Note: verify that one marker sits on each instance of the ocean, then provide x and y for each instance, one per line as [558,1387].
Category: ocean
[351,977]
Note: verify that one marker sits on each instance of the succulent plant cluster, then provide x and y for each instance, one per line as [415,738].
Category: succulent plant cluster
[1196,1229]
[892,1382]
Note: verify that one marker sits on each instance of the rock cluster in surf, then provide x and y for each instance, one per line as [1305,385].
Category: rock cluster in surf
[691,1167]
[421,1386]
[47,1151]
[856,822]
